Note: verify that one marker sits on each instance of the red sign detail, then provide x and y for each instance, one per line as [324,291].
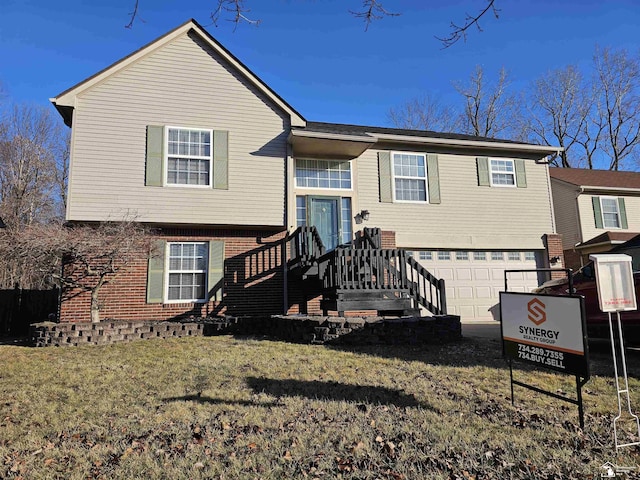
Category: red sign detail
[537,313]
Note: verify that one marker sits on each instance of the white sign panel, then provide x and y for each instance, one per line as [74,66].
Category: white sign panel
[544,329]
[614,277]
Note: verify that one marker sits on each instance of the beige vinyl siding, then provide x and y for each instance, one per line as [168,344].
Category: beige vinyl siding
[587,219]
[565,207]
[469,216]
[185,84]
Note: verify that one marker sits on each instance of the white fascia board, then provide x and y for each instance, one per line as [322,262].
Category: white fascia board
[466,143]
[331,136]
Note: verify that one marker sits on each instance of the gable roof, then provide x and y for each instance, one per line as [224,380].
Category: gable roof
[65,101]
[582,177]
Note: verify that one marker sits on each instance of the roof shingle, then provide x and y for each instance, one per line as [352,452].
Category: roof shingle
[583,177]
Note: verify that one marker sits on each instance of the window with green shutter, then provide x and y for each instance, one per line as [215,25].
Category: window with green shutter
[409,177]
[187,157]
[185,272]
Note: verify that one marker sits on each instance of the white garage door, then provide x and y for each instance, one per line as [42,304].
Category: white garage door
[473,279]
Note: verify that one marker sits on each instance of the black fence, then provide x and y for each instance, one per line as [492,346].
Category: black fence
[20,308]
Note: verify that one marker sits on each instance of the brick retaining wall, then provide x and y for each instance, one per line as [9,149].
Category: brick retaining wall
[49,334]
[293,328]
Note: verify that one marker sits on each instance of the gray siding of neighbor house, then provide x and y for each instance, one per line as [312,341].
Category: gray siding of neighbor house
[566,212]
[182,84]
[468,216]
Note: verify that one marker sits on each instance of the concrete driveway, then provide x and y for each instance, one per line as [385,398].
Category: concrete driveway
[482,329]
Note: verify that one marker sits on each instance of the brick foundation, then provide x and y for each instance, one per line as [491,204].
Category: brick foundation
[253,282]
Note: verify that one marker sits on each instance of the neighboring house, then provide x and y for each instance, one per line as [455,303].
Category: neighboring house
[187,138]
[595,210]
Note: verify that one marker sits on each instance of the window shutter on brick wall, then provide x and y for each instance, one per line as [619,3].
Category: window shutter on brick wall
[433,178]
[483,171]
[221,159]
[623,213]
[155,273]
[216,270]
[154,160]
[385,177]
[521,175]
[597,211]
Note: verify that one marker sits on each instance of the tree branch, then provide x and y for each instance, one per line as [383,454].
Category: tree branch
[237,9]
[460,31]
[372,10]
[133,16]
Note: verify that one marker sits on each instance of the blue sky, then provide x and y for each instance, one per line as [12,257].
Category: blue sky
[312,52]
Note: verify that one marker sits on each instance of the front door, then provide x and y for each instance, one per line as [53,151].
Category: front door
[324,214]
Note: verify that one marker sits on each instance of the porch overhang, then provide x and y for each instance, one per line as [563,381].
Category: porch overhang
[604,242]
[328,145]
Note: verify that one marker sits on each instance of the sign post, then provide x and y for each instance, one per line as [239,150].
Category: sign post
[616,293]
[547,331]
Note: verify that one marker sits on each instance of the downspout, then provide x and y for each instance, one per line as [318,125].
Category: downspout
[580,192]
[285,272]
[551,209]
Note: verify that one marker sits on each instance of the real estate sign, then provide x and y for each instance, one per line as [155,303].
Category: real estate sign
[545,330]
[614,277]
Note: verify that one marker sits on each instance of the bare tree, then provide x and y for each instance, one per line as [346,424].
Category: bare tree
[618,75]
[424,113]
[28,142]
[558,113]
[77,258]
[489,110]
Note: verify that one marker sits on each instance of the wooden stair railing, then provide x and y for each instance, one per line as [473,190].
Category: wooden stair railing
[364,266]
[426,289]
[305,247]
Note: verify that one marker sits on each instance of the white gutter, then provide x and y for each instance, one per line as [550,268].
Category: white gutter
[587,188]
[467,143]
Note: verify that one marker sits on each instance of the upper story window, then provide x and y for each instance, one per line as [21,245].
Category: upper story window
[189,156]
[502,172]
[610,212]
[323,174]
[410,177]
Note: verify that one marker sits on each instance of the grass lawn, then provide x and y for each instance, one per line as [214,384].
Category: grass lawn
[242,408]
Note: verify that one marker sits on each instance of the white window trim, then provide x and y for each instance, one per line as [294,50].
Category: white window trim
[315,189]
[166,157]
[491,172]
[425,178]
[167,272]
[617,202]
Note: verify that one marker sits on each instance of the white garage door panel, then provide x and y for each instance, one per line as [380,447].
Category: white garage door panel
[473,284]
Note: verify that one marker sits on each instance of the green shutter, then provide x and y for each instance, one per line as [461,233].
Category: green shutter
[521,176]
[221,159]
[483,171]
[623,214]
[597,211]
[386,179]
[433,178]
[215,277]
[155,273]
[155,158]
